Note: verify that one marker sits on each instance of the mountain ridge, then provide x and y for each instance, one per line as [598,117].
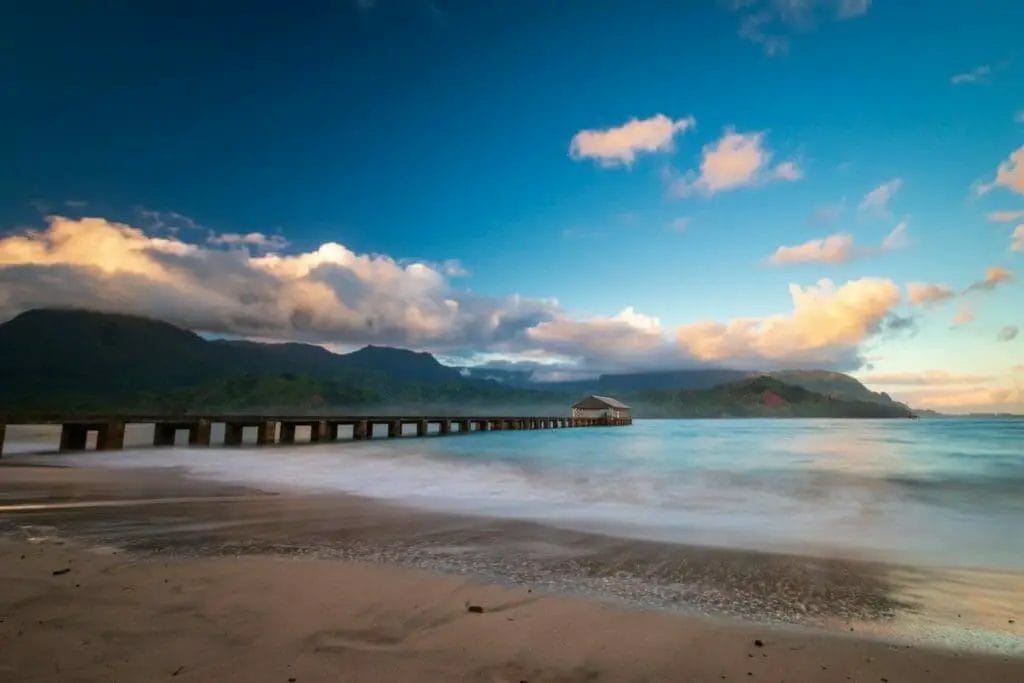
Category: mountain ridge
[77,359]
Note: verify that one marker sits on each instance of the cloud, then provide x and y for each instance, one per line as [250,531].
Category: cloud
[1019,116]
[826,326]
[735,160]
[922,293]
[251,239]
[1017,239]
[1009,174]
[680,224]
[1005,216]
[772,23]
[877,200]
[339,298]
[629,339]
[948,391]
[979,399]
[978,74]
[619,146]
[787,170]
[827,214]
[838,248]
[964,315]
[926,378]
[1008,333]
[994,276]
[897,238]
[832,249]
[329,295]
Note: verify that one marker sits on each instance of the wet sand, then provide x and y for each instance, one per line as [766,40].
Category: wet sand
[219,581]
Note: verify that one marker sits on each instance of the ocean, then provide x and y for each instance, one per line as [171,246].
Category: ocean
[935,492]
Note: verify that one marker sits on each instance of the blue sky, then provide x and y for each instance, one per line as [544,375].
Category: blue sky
[434,132]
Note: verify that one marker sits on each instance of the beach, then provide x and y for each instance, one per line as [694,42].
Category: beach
[174,577]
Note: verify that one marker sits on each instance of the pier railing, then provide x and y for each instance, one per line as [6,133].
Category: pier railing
[281,429]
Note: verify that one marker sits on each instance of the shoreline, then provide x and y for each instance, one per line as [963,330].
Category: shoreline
[163,514]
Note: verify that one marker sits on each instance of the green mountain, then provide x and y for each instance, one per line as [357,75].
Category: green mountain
[82,361]
[763,396]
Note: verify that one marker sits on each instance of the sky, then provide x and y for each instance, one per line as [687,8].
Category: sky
[565,187]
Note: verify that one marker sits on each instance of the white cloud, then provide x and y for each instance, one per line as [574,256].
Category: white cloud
[251,239]
[826,326]
[922,293]
[619,146]
[788,170]
[1019,116]
[897,238]
[877,200]
[978,74]
[735,160]
[772,23]
[1009,174]
[838,248]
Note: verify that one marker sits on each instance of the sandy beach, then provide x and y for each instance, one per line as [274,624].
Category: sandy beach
[143,575]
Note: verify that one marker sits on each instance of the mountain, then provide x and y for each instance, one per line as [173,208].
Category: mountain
[762,396]
[80,361]
[834,384]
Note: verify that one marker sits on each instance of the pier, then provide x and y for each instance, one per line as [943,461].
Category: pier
[109,430]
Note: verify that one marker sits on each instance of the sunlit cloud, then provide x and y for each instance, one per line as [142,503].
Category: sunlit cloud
[877,200]
[826,325]
[1017,238]
[977,398]
[1009,174]
[620,145]
[964,315]
[838,248]
[994,276]
[922,293]
[330,295]
[1005,216]
[832,249]
[735,160]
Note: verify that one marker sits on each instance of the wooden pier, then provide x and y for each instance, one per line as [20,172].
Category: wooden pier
[281,429]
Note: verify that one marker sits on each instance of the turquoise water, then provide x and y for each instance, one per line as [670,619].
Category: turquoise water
[944,492]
